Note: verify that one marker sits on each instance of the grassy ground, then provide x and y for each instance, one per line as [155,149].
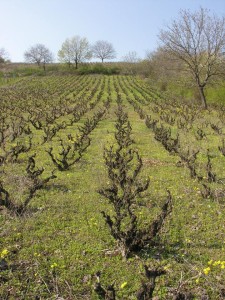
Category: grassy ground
[215,93]
[62,241]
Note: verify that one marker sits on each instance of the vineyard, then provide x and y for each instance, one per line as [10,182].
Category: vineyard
[108,190]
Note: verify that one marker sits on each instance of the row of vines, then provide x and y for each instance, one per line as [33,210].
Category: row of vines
[109,191]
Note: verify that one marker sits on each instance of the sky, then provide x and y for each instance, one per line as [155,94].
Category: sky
[130,25]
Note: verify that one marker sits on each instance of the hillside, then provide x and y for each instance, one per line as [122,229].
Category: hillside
[73,146]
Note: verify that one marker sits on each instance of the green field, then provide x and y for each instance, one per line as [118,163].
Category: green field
[54,237]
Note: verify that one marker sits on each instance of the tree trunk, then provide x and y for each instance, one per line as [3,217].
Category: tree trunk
[76,64]
[102,60]
[202,95]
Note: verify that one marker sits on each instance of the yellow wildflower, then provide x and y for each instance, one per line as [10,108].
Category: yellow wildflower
[167,267]
[54,265]
[206,270]
[4,253]
[123,285]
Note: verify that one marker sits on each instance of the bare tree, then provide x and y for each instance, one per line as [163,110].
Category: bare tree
[3,55]
[131,57]
[197,39]
[103,50]
[39,54]
[76,49]
[132,63]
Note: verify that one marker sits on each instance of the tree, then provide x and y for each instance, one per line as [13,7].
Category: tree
[3,55]
[103,50]
[66,54]
[198,40]
[131,57]
[76,49]
[163,69]
[39,54]
[132,63]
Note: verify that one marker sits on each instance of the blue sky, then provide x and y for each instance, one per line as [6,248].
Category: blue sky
[130,25]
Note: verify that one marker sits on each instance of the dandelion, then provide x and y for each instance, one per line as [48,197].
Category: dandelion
[123,285]
[216,263]
[222,264]
[197,280]
[206,270]
[54,265]
[4,253]
[167,267]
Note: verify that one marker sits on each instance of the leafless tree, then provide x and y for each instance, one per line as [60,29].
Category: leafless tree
[198,40]
[131,57]
[3,55]
[103,50]
[39,54]
[132,64]
[77,49]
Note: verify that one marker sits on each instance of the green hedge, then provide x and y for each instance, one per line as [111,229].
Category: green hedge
[98,69]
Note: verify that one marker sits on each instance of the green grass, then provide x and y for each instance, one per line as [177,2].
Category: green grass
[62,241]
[215,93]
